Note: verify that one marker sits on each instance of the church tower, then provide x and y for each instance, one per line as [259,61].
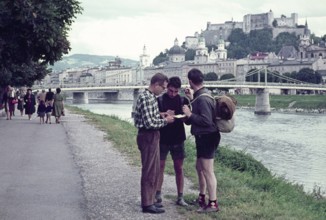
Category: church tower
[304,42]
[201,55]
[221,52]
[144,58]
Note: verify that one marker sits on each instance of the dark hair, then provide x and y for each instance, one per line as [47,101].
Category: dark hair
[159,78]
[175,82]
[58,90]
[196,76]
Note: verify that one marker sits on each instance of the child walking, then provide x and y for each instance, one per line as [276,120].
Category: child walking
[41,111]
[48,112]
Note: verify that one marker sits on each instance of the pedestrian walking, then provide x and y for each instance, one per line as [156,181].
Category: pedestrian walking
[41,109]
[58,107]
[30,103]
[48,112]
[49,97]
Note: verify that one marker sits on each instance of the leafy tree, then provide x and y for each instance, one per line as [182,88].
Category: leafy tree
[162,57]
[227,76]
[309,75]
[237,35]
[285,39]
[275,24]
[33,34]
[211,76]
[261,40]
[190,54]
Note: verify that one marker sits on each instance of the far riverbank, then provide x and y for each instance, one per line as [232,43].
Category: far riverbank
[288,103]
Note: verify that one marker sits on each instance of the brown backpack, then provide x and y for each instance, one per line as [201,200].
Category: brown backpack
[225,108]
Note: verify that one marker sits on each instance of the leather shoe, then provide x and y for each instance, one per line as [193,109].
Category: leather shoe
[158,205]
[153,209]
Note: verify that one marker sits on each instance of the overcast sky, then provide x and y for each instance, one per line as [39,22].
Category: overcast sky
[122,27]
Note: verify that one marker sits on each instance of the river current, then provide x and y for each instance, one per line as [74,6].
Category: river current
[291,145]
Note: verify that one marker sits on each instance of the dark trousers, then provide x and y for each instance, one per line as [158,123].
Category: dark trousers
[148,145]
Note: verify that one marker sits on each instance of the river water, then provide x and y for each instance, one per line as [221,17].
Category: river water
[291,145]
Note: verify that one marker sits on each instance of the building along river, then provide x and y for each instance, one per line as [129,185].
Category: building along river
[291,145]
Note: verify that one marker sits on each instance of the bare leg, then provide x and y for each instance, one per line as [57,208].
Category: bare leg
[208,172]
[179,175]
[201,178]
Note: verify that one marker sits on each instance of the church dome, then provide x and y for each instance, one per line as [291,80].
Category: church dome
[176,49]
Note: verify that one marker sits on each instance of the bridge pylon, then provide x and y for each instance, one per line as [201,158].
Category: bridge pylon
[262,106]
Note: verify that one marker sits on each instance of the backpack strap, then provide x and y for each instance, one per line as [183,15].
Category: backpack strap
[203,94]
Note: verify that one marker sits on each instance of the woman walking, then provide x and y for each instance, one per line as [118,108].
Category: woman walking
[30,103]
[58,105]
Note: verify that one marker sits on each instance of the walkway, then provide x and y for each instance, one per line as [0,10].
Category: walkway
[68,171]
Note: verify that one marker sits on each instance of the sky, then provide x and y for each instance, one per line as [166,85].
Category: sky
[122,27]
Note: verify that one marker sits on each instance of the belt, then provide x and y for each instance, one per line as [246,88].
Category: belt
[146,130]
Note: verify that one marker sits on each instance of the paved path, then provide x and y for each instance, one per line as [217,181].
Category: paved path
[69,173]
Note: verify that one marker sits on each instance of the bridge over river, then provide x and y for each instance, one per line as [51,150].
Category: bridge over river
[81,93]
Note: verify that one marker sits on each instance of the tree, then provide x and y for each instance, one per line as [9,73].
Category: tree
[211,76]
[285,39]
[190,54]
[227,76]
[309,75]
[162,57]
[33,34]
[275,24]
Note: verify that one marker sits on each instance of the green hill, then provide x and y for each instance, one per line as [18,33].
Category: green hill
[87,60]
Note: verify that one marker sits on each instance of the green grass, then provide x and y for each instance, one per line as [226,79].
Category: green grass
[283,101]
[246,189]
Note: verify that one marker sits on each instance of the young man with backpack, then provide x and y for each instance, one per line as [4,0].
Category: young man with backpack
[202,118]
[172,137]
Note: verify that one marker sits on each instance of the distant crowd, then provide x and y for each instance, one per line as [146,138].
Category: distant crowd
[45,104]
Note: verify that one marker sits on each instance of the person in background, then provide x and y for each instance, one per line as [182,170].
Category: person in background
[172,137]
[207,137]
[11,101]
[58,107]
[41,111]
[48,112]
[20,99]
[41,96]
[49,97]
[30,103]
[148,121]
[5,101]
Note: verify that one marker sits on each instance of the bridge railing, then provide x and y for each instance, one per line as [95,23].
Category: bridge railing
[211,84]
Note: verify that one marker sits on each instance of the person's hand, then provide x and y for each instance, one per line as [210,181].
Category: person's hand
[189,93]
[186,110]
[170,112]
[169,119]
[163,114]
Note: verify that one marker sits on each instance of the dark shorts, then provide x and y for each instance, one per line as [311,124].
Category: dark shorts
[206,145]
[177,151]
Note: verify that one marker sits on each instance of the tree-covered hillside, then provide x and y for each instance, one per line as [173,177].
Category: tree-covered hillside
[87,60]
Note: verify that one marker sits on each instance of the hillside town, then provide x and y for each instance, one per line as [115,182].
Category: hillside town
[287,60]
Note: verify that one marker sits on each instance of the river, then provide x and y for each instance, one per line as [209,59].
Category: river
[291,145]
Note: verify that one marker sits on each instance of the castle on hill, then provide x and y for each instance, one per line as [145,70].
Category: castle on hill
[214,32]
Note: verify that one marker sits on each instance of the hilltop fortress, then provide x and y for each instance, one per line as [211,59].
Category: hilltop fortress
[250,22]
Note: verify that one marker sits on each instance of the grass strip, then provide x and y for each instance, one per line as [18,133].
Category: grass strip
[246,189]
